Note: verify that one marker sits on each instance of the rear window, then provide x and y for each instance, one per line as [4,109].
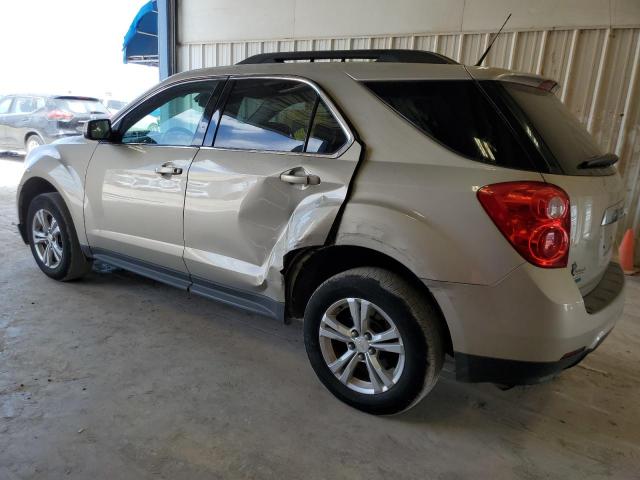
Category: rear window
[554,129]
[78,105]
[457,114]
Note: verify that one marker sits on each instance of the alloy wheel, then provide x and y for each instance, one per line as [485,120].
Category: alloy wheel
[47,238]
[362,346]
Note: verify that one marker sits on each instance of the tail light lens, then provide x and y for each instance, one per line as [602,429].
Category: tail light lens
[59,115]
[534,217]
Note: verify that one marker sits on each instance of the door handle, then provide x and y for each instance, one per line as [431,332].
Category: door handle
[168,169]
[298,176]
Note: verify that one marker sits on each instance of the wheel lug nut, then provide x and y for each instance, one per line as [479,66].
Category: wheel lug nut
[372,350]
[367,336]
[361,356]
[351,346]
[354,333]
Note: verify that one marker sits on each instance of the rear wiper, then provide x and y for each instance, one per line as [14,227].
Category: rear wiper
[601,161]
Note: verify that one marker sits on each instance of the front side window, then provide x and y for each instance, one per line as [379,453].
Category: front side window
[5,105]
[171,118]
[271,115]
[457,114]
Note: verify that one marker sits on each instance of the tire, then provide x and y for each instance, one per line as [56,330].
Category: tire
[390,301]
[64,260]
[32,142]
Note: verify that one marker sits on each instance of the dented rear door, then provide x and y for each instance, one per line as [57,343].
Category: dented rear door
[266,187]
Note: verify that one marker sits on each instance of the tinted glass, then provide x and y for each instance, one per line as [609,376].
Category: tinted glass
[169,119]
[326,134]
[547,118]
[457,114]
[5,104]
[272,115]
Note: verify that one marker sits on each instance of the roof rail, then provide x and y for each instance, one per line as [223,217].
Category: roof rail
[398,56]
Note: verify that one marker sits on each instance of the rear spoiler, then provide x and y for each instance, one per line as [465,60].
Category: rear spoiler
[76,97]
[535,81]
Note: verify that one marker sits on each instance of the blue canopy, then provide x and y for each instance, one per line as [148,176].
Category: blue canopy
[141,41]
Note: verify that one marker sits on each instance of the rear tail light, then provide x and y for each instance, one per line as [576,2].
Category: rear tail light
[534,217]
[59,115]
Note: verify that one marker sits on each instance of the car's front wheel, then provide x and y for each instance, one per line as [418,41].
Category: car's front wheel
[373,340]
[53,239]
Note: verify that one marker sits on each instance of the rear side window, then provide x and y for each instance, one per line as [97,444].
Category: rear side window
[457,114]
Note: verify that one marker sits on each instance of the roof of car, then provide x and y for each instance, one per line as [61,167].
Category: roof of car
[357,70]
[361,71]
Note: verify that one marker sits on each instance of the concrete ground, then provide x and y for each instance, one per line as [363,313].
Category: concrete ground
[120,377]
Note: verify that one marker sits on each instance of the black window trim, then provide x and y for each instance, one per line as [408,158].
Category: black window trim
[344,125]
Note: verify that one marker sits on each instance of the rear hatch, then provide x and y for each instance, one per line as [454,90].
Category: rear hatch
[72,112]
[571,159]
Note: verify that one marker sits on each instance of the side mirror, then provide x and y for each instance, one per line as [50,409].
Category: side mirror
[98,129]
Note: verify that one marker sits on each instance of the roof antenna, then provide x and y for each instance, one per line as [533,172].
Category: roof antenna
[486,52]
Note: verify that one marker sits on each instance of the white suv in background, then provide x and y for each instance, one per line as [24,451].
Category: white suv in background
[406,207]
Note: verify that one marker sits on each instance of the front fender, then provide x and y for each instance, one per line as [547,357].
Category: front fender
[64,166]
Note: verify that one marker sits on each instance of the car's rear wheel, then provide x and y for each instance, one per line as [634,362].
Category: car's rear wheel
[373,340]
[32,142]
[53,239]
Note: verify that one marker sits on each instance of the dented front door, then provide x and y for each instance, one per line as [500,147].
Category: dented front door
[245,209]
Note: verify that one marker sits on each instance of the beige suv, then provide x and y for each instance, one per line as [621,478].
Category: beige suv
[407,207]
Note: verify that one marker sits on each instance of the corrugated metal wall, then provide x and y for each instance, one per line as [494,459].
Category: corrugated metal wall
[598,69]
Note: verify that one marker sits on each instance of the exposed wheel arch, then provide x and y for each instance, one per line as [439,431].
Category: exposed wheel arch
[306,268]
[30,190]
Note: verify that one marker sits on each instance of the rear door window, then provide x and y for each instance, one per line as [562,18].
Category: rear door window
[327,136]
[458,115]
[265,114]
[24,105]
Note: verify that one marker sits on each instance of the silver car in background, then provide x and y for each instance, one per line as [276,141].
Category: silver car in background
[406,208]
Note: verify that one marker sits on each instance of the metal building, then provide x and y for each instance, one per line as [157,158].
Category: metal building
[591,47]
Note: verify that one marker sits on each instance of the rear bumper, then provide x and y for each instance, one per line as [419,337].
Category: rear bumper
[473,368]
[531,325]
